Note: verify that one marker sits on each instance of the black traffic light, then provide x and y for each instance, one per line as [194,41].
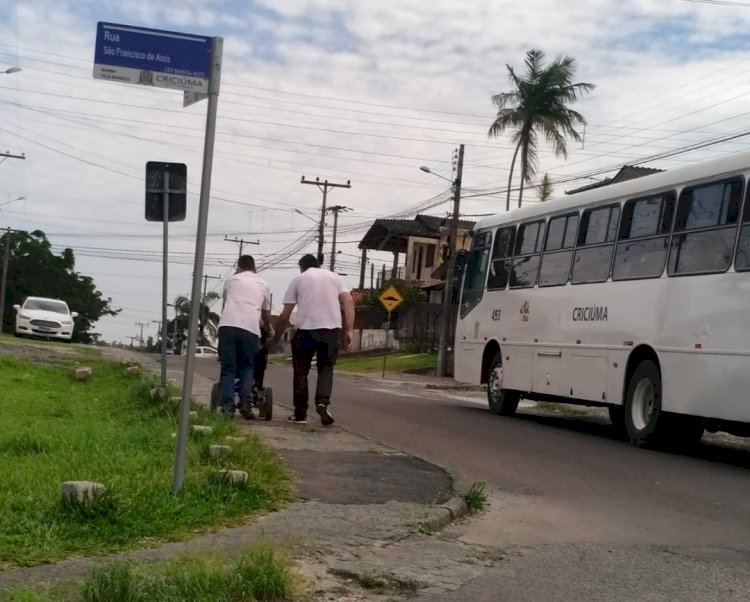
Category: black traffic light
[177,191]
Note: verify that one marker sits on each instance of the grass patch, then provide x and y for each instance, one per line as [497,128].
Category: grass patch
[260,574]
[476,497]
[110,431]
[396,362]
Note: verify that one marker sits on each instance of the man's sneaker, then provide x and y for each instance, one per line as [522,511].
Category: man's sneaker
[326,418]
[247,413]
[295,420]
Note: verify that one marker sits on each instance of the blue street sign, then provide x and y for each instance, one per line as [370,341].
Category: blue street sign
[152,57]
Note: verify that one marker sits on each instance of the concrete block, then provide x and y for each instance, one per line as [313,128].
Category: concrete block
[234,439]
[83,373]
[202,429]
[193,415]
[132,370]
[457,507]
[219,451]
[80,492]
[175,401]
[231,477]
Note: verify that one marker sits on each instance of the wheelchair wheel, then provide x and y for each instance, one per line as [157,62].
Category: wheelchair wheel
[214,403]
[269,403]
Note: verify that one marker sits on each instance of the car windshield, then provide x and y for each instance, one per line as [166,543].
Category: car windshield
[57,307]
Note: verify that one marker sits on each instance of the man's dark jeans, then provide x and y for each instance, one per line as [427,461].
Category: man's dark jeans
[324,344]
[237,349]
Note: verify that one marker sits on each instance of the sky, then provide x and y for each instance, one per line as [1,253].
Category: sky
[342,90]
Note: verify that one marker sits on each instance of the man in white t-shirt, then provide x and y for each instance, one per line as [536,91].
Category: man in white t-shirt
[321,298]
[246,310]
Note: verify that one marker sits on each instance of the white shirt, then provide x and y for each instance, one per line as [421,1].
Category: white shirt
[245,295]
[316,294]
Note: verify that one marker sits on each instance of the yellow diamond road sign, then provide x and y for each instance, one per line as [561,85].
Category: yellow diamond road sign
[391,299]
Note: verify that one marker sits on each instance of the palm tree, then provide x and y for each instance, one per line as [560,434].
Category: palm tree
[207,319]
[538,104]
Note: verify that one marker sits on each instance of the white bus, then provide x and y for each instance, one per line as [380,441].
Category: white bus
[634,296]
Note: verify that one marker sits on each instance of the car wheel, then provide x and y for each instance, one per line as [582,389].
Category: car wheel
[501,401]
[644,420]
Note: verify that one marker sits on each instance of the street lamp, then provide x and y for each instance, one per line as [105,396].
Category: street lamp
[12,70]
[305,215]
[20,198]
[426,169]
[442,359]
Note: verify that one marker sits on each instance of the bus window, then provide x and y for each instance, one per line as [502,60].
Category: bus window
[593,257]
[742,259]
[644,237]
[476,272]
[558,250]
[705,228]
[502,251]
[526,257]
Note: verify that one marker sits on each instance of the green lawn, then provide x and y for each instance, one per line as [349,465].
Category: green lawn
[108,430]
[396,362]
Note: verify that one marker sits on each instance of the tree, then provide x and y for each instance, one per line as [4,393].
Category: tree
[34,270]
[207,319]
[538,105]
[545,189]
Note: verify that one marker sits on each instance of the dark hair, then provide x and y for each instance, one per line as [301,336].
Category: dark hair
[308,261]
[246,263]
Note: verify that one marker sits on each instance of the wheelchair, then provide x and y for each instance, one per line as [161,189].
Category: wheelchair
[262,397]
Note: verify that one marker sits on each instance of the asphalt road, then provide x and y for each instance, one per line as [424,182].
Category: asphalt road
[595,487]
[556,479]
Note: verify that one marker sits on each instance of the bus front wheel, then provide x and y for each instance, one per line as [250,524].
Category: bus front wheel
[502,402]
[644,420]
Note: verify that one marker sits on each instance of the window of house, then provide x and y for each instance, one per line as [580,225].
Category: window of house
[502,252]
[526,257]
[705,228]
[596,236]
[558,250]
[643,241]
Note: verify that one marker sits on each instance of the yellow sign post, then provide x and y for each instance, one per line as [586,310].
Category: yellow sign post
[390,299]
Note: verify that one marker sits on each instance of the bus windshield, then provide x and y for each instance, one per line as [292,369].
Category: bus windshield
[476,272]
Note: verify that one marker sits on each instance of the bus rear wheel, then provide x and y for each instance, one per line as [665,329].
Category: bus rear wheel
[502,402]
[644,420]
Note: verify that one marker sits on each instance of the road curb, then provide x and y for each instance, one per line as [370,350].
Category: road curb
[441,516]
[455,387]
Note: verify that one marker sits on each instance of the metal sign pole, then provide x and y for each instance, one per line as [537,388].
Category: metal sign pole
[387,331]
[200,248]
[164,287]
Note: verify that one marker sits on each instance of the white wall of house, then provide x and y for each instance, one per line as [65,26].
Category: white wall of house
[421,258]
[367,339]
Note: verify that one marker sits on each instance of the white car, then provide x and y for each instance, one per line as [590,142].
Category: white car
[206,352]
[42,317]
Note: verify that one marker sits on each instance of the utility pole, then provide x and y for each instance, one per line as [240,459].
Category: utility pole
[205,285]
[442,358]
[242,242]
[141,324]
[324,186]
[9,155]
[336,209]
[131,340]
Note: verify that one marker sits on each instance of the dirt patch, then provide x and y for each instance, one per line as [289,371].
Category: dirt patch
[44,353]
